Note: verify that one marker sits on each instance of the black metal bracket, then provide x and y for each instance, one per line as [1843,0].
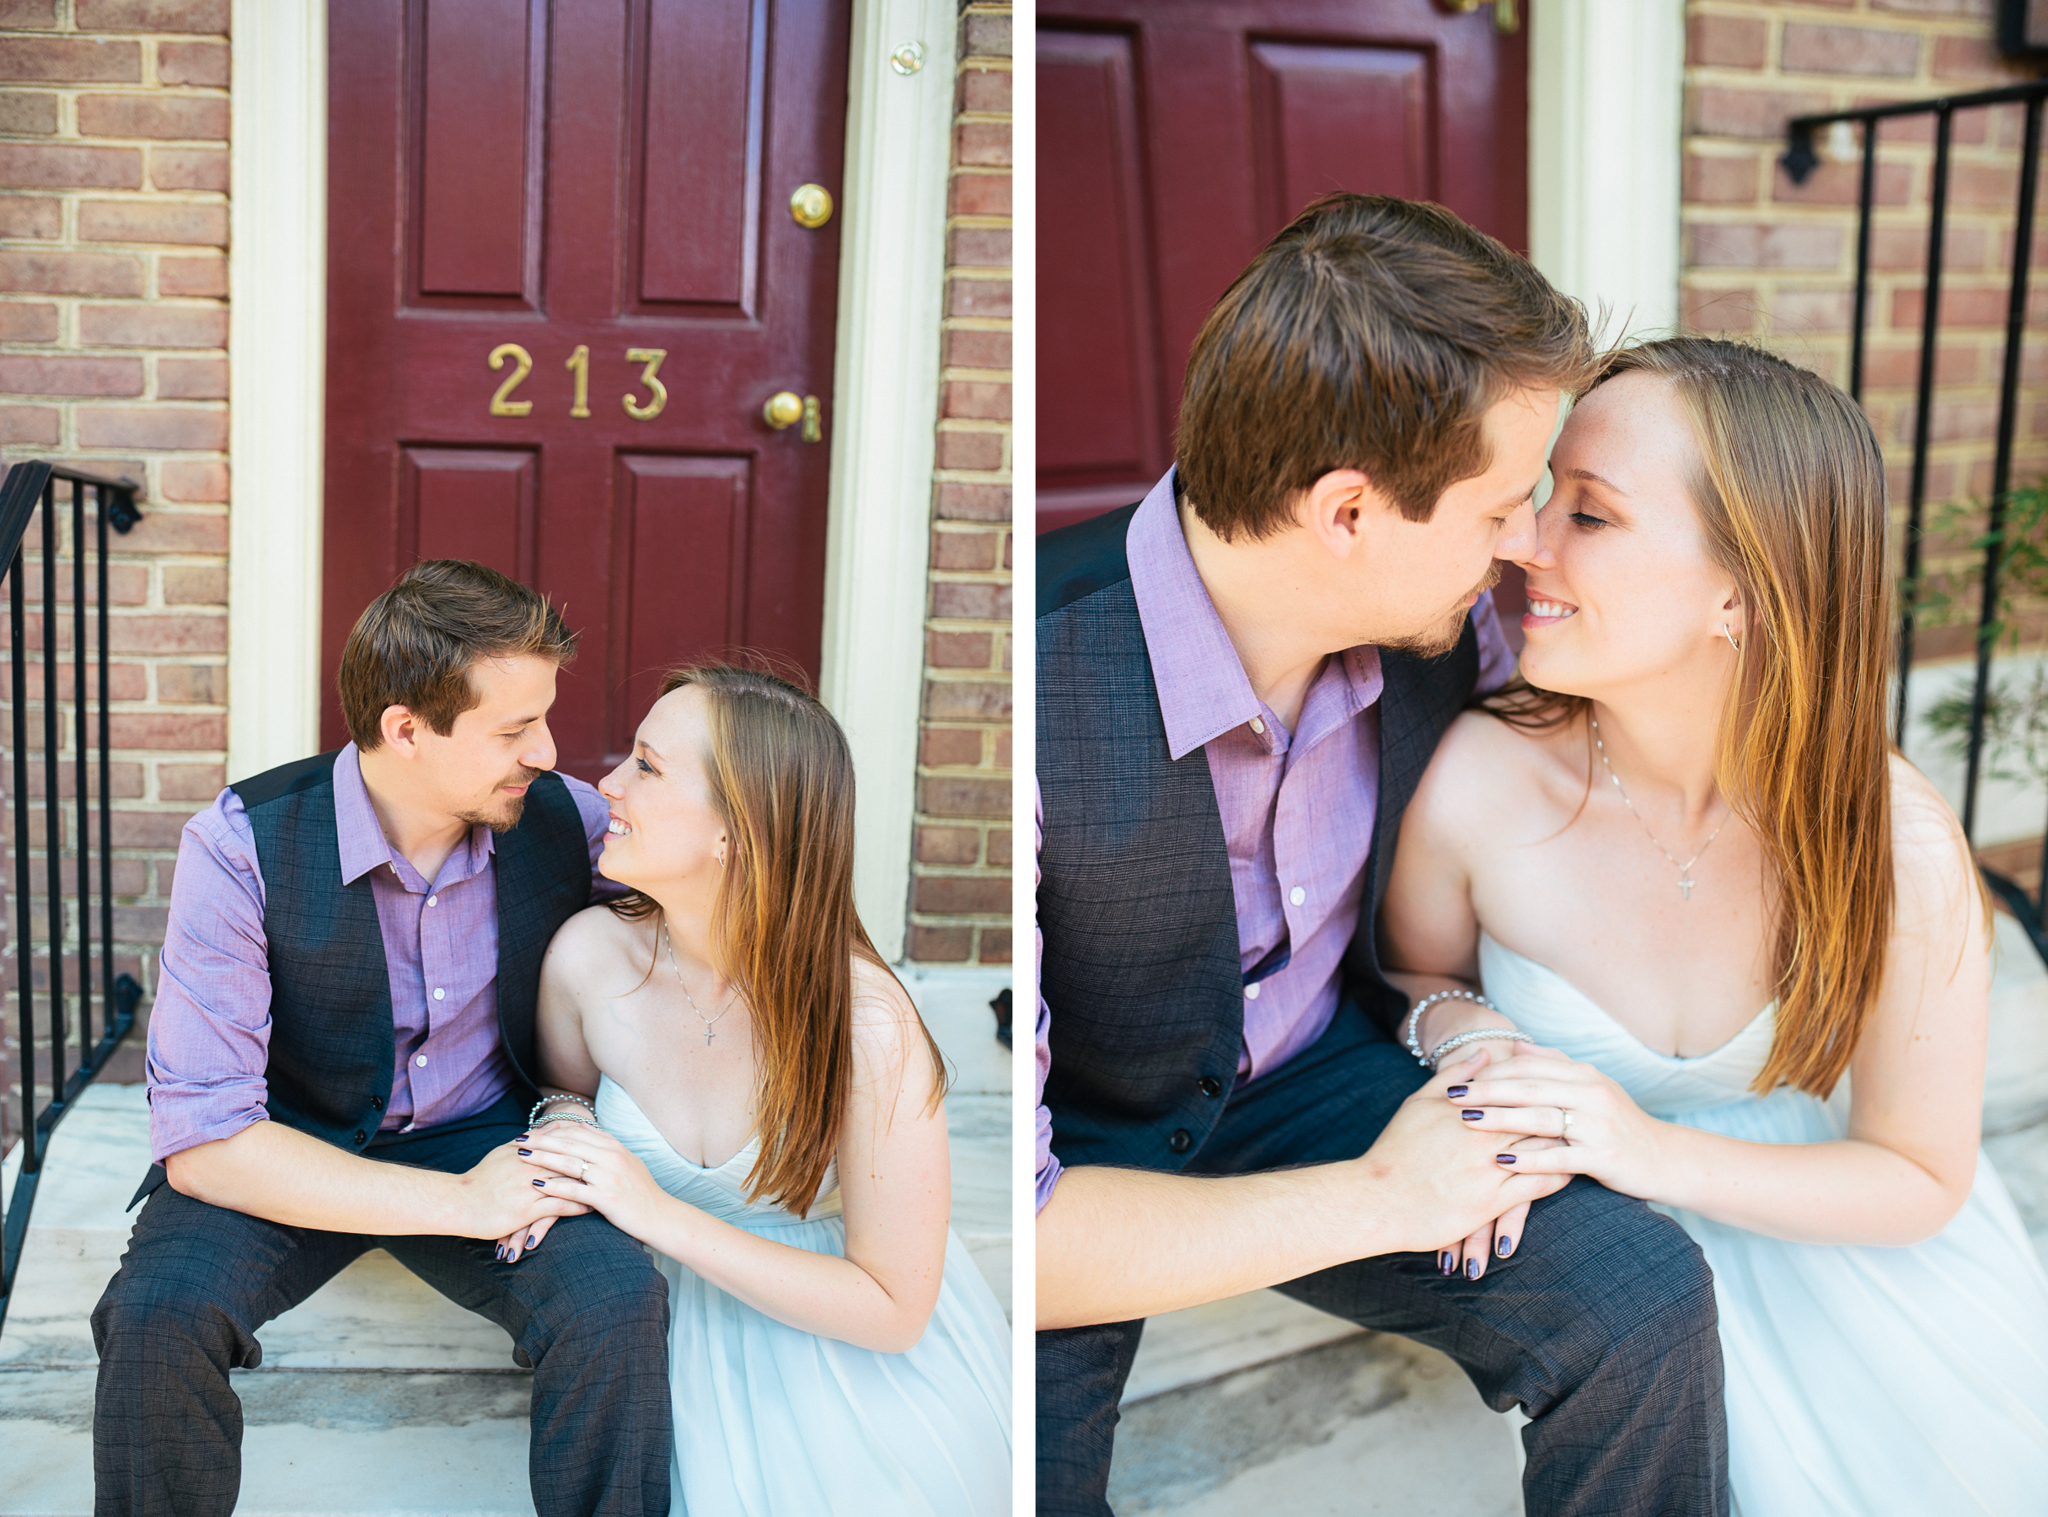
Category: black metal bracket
[1799,158]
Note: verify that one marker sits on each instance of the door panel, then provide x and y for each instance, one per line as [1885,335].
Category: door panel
[602,205]
[1177,136]
[479,96]
[1340,118]
[678,511]
[470,503]
[698,155]
[1105,418]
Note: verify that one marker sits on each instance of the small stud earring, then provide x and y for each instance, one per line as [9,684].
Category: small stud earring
[1725,632]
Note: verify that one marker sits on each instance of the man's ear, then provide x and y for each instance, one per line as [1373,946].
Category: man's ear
[1337,510]
[401,730]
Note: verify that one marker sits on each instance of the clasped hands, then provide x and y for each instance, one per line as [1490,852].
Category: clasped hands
[1554,1117]
[577,1168]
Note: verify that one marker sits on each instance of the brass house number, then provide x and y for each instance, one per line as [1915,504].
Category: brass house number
[578,364]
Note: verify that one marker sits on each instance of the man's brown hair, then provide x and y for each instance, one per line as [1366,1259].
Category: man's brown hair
[1372,334]
[416,643]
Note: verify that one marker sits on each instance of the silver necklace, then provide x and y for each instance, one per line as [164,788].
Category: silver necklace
[1685,879]
[709,1022]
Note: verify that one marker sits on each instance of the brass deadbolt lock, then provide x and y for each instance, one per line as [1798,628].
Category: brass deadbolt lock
[811,205]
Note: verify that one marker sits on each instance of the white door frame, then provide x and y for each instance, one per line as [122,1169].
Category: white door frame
[1606,86]
[885,405]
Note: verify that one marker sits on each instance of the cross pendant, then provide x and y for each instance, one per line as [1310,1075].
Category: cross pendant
[1685,884]
[708,1035]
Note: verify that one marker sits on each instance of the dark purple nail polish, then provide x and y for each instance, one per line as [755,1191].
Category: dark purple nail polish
[1446,1263]
[540,1182]
[532,1241]
[1497,1158]
[1471,1116]
[526,1153]
[501,1253]
[1457,1092]
[1504,1245]
[1472,1269]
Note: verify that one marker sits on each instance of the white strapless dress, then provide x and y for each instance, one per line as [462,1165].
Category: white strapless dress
[772,1421]
[1862,1381]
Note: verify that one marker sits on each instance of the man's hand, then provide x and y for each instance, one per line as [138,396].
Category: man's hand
[500,1200]
[1431,1175]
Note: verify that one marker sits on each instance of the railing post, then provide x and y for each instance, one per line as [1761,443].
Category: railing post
[1923,402]
[2001,468]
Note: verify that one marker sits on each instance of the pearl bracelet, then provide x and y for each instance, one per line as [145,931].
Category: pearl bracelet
[1415,1017]
[1478,1034]
[534,1117]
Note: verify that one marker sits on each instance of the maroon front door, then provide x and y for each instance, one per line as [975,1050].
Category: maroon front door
[1176,136]
[564,277]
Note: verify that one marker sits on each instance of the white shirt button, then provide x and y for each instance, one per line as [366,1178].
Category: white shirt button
[421,1060]
[1251,992]
[433,900]
[1258,724]
[442,995]
[1297,895]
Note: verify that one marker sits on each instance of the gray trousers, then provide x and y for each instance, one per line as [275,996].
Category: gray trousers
[587,1310]
[1601,1326]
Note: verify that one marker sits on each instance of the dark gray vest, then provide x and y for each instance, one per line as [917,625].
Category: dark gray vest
[332,1040]
[1141,967]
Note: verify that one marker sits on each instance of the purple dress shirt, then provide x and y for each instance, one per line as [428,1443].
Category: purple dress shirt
[209,1032]
[1297,807]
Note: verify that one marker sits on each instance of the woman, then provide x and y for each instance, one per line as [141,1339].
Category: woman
[771,1127]
[1693,813]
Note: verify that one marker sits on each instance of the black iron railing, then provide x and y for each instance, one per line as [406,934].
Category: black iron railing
[29,494]
[1799,161]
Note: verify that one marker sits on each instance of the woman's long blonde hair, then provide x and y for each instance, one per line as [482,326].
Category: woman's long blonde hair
[1790,492]
[783,928]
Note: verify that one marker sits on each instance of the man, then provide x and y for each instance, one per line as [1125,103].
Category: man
[1240,682]
[341,1056]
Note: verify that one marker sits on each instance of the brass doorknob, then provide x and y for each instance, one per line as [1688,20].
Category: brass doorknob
[785,408]
[811,205]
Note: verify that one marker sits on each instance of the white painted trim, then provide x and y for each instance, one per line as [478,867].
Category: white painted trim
[886,406]
[1606,85]
[277,351]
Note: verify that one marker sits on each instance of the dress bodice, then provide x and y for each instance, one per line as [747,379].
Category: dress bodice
[1711,1090]
[720,1190]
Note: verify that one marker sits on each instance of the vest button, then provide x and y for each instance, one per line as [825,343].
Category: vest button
[1181,1141]
[1209,1085]
[361,1137]
[376,1103]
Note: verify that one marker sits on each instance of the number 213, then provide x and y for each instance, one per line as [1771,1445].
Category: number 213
[578,364]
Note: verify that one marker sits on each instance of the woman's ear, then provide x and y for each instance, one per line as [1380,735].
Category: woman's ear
[1733,621]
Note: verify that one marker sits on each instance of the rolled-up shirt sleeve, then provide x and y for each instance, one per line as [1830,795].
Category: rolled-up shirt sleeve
[1048,1166]
[209,1029]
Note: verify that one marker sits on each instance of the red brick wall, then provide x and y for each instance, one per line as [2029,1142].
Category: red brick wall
[1768,259]
[960,877]
[113,329]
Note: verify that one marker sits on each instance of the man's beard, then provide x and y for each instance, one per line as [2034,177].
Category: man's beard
[1443,637]
[506,819]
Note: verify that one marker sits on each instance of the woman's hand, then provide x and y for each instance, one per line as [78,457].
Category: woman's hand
[1499,1238]
[587,1164]
[1600,1131]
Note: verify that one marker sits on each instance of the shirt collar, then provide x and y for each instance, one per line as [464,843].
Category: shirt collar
[1203,689]
[360,836]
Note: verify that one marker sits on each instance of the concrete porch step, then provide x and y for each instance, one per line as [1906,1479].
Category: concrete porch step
[377,1397]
